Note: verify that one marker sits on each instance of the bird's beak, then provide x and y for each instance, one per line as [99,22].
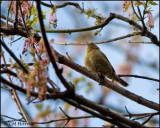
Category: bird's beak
[86,42]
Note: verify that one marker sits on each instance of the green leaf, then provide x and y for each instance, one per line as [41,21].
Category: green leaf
[36,20]
[39,106]
[68,74]
[82,78]
[33,10]
[90,87]
[97,22]
[98,32]
[94,10]
[100,15]
[135,33]
[152,3]
[43,15]
[138,3]
[75,81]
[90,12]
[89,16]
[32,24]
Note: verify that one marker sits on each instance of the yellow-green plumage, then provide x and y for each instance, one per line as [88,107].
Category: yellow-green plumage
[95,61]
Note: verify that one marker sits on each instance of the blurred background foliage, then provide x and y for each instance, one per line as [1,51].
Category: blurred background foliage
[125,57]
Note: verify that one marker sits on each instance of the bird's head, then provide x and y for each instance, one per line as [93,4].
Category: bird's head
[91,46]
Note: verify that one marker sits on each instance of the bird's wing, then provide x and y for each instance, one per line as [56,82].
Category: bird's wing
[107,60]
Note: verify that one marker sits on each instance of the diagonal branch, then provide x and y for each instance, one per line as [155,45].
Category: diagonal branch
[140,100]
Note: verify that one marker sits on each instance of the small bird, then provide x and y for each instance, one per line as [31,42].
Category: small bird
[96,61]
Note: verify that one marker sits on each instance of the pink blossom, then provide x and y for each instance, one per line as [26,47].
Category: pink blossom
[150,19]
[28,42]
[26,7]
[53,17]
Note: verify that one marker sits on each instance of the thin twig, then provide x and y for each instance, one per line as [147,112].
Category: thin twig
[142,20]
[8,14]
[71,118]
[134,10]
[16,40]
[101,25]
[140,114]
[8,65]
[140,42]
[150,117]
[137,76]
[72,4]
[131,22]
[8,71]
[14,57]
[23,18]
[13,119]
[69,56]
[10,20]
[101,42]
[68,117]
[6,88]
[130,115]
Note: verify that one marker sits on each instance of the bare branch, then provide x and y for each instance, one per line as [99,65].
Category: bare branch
[72,4]
[101,25]
[63,60]
[14,57]
[150,117]
[8,65]
[131,22]
[101,42]
[56,120]
[137,76]
[8,71]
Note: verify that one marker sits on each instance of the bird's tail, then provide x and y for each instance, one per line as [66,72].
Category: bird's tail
[121,81]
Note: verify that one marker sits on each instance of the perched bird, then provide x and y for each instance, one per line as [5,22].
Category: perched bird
[96,61]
